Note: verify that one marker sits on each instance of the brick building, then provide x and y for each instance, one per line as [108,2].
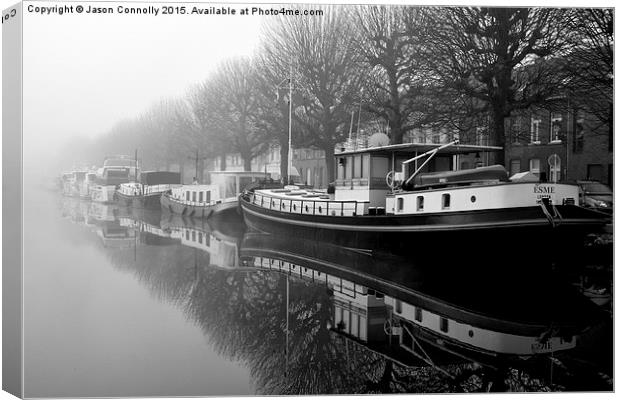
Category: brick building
[559,143]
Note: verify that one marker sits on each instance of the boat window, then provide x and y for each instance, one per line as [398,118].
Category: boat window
[418,314]
[199,237]
[365,165]
[445,200]
[193,196]
[400,203]
[193,236]
[187,235]
[244,181]
[443,324]
[420,203]
[357,166]
[340,168]
[398,306]
[200,195]
[379,167]
[187,196]
[230,189]
[348,168]
[208,196]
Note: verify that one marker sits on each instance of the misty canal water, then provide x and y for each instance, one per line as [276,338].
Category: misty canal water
[127,302]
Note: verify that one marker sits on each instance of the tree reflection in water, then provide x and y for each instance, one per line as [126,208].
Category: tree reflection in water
[245,312]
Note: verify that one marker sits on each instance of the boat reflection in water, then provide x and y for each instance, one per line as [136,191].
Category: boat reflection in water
[306,317]
[411,312]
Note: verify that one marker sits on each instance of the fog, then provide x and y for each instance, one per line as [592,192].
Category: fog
[83,73]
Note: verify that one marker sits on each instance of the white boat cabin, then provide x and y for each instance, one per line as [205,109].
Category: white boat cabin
[232,183]
[361,174]
[198,195]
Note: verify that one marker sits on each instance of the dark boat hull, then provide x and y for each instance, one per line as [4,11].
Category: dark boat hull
[173,206]
[528,225]
[150,201]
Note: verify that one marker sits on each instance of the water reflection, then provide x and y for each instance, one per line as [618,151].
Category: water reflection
[309,317]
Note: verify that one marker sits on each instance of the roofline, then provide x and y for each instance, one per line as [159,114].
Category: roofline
[421,147]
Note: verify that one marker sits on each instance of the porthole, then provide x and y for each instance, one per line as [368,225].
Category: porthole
[473,199]
[471,333]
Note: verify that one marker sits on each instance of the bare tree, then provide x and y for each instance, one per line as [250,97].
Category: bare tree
[589,72]
[496,55]
[386,38]
[326,74]
[231,99]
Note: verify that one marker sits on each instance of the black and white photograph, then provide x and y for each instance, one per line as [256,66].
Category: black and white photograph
[206,199]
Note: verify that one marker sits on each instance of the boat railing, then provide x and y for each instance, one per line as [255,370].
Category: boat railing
[134,189]
[150,189]
[181,200]
[311,207]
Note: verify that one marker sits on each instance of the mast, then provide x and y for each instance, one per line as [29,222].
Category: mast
[290,124]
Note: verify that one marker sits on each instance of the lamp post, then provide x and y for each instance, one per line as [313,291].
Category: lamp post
[290,118]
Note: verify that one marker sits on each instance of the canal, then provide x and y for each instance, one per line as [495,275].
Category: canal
[126,302]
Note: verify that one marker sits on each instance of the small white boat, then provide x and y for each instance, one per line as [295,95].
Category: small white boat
[72,182]
[146,192]
[200,201]
[115,171]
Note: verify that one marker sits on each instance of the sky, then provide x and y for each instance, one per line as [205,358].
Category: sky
[85,72]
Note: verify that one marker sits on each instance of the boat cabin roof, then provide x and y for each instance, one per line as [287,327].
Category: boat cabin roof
[409,149]
[239,173]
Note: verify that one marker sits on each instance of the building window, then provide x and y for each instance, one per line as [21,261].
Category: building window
[555,168]
[443,324]
[595,172]
[445,201]
[515,167]
[535,131]
[579,132]
[516,129]
[556,127]
[418,314]
[535,166]
[481,136]
[420,203]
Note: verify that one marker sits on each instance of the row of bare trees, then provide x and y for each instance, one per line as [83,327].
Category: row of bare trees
[403,67]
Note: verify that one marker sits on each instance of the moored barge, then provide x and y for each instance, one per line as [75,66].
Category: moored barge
[377,199]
